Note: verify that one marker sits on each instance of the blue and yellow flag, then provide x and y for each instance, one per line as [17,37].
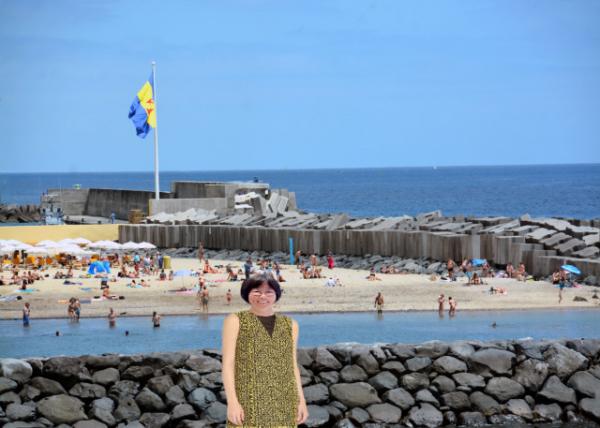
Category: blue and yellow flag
[143,111]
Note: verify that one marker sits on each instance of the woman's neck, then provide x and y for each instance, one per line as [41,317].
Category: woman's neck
[267,312]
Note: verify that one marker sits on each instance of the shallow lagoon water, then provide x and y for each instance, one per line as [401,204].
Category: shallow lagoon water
[93,336]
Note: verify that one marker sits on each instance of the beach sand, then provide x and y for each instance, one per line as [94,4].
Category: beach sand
[401,293]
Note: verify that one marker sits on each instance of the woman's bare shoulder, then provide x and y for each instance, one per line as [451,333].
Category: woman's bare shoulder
[231,320]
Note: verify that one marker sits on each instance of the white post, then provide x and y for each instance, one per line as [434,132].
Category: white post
[156,181]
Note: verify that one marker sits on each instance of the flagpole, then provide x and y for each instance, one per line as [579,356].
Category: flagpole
[156,181]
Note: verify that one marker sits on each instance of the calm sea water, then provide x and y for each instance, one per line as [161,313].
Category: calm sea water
[557,190]
[93,336]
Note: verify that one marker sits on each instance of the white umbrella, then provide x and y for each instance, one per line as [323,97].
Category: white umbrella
[7,249]
[82,241]
[146,246]
[39,251]
[9,242]
[130,246]
[105,245]
[24,247]
[46,243]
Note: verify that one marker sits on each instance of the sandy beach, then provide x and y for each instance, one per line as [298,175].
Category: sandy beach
[402,292]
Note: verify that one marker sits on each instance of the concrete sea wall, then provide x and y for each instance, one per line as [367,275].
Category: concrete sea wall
[405,244]
[431,384]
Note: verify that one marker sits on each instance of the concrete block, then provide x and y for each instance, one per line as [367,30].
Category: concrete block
[539,234]
[570,246]
[591,239]
[588,252]
[338,221]
[555,239]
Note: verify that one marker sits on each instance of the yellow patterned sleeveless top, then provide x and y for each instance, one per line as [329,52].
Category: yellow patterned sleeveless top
[264,373]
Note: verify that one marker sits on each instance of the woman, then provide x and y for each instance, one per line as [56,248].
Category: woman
[260,370]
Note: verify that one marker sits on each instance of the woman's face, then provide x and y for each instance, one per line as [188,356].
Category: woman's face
[262,297]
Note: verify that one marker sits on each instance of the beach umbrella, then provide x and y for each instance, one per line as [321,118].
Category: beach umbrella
[81,241]
[130,246]
[7,249]
[46,243]
[478,262]
[571,269]
[105,245]
[146,246]
[23,247]
[183,273]
[9,242]
[39,251]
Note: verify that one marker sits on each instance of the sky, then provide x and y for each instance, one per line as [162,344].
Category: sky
[299,84]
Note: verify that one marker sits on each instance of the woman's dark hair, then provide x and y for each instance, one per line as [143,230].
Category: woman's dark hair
[256,281]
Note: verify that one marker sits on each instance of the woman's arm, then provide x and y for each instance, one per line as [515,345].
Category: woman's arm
[231,328]
[302,409]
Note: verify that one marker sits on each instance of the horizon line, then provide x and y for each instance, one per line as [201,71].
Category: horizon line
[306,169]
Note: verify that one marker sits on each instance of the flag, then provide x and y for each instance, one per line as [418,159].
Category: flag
[143,111]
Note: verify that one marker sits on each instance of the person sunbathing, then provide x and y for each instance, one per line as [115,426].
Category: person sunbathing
[69,272]
[208,268]
[521,273]
[372,276]
[163,275]
[144,284]
[231,275]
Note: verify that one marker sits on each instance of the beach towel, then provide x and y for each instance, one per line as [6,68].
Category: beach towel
[9,298]
[29,290]
[85,288]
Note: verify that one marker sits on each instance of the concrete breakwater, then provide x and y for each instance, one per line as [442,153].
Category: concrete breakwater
[431,384]
[500,243]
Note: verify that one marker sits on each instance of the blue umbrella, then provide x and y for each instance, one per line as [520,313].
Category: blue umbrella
[478,262]
[571,269]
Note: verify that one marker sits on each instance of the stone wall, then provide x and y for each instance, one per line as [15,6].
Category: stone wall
[346,385]
[103,202]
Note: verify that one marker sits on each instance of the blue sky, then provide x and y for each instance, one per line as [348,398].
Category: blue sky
[299,84]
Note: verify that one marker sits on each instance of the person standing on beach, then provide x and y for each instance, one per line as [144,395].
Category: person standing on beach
[452,304]
[313,261]
[260,368]
[330,261]
[228,297]
[379,302]
[450,266]
[298,259]
[441,302]
[112,318]
[204,299]
[248,267]
[201,252]
[26,314]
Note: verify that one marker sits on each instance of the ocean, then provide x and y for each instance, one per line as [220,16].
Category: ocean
[92,335]
[571,191]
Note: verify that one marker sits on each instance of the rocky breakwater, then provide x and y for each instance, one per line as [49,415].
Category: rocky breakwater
[19,213]
[346,385]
